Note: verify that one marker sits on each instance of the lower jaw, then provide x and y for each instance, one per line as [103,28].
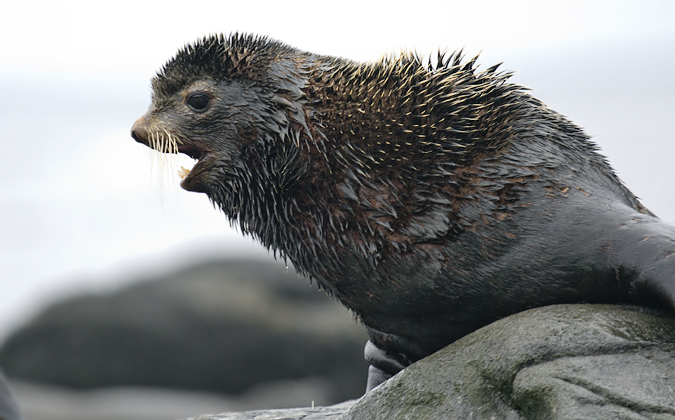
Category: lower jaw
[193,184]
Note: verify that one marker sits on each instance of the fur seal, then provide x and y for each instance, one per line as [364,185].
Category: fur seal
[430,199]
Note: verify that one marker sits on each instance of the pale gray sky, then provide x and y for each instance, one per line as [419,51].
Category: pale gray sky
[79,206]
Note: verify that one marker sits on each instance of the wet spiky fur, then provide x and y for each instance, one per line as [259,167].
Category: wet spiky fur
[431,199]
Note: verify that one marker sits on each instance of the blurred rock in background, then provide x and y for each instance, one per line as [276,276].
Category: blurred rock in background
[248,333]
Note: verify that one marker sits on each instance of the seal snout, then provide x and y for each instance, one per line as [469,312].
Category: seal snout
[139,131]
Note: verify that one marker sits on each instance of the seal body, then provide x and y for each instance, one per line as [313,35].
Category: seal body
[430,199]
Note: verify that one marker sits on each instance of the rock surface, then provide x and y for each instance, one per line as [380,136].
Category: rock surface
[318,413]
[581,362]
[559,362]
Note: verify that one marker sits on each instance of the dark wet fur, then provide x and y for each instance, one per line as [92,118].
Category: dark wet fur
[430,199]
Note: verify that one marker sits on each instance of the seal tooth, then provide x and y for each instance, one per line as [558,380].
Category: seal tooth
[183,172]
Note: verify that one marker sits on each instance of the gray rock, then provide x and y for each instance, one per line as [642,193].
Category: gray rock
[558,362]
[306,413]
[9,410]
[220,326]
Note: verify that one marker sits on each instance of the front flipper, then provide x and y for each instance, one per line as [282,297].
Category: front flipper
[382,365]
[387,355]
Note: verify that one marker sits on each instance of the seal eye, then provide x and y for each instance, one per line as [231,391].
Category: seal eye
[198,101]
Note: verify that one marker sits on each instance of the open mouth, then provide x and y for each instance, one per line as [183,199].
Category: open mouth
[194,153]
[164,142]
[192,179]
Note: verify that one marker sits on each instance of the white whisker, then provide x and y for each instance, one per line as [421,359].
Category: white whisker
[164,151]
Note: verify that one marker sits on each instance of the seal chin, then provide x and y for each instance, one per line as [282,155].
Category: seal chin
[189,184]
[192,184]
